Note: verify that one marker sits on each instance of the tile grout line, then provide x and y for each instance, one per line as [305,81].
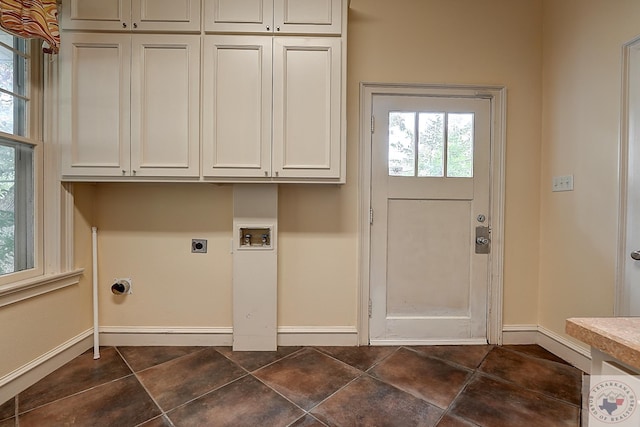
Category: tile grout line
[135,374]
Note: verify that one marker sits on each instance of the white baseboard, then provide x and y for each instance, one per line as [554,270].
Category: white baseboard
[578,356]
[177,336]
[173,336]
[29,374]
[340,336]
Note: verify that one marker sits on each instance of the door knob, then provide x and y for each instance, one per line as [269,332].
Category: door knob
[635,255]
[482,241]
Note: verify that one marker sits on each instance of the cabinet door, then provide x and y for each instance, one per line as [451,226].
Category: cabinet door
[307,107]
[237,106]
[102,15]
[94,104]
[166,15]
[308,16]
[243,16]
[165,100]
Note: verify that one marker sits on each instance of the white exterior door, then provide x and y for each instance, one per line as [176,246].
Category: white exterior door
[429,193]
[629,299]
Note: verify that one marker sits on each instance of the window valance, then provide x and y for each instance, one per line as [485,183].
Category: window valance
[32,19]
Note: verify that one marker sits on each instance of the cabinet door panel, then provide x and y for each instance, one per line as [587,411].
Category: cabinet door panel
[166,15]
[237,106]
[307,107]
[308,16]
[247,16]
[104,15]
[94,100]
[165,87]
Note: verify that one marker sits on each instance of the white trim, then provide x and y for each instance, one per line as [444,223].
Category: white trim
[39,285]
[429,342]
[579,356]
[622,305]
[519,334]
[345,336]
[165,336]
[498,96]
[29,374]
[223,336]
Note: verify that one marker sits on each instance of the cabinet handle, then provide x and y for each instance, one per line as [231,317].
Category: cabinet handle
[124,172]
[277,28]
[277,173]
[266,173]
[134,172]
[124,25]
[135,25]
[268,28]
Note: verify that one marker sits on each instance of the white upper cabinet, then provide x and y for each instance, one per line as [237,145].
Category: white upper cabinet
[165,105]
[130,105]
[94,104]
[131,15]
[273,16]
[236,109]
[307,107]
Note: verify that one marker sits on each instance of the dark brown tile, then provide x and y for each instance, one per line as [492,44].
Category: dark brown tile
[307,377]
[369,402]
[469,356]
[181,380]
[535,351]
[140,358]
[421,376]
[554,379]
[308,421]
[8,409]
[120,403]
[450,421]
[162,421]
[10,422]
[489,402]
[246,402]
[80,374]
[361,358]
[252,360]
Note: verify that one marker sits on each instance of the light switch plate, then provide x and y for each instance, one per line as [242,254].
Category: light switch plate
[563,183]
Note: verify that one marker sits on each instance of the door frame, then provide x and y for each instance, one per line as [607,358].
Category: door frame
[631,48]
[497,95]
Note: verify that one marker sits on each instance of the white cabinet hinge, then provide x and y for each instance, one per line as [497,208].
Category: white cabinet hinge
[370,216]
[370,308]
[373,124]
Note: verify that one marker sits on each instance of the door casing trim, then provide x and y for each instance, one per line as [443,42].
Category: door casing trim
[621,304]
[498,97]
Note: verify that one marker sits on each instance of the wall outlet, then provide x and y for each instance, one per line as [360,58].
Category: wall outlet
[563,183]
[199,246]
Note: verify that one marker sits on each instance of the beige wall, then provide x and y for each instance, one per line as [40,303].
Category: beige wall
[35,326]
[145,230]
[581,118]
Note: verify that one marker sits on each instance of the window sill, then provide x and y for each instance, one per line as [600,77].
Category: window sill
[40,285]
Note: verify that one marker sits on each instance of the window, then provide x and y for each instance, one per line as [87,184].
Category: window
[431,144]
[20,157]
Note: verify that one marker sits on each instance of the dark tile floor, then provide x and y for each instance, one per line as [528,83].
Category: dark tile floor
[445,386]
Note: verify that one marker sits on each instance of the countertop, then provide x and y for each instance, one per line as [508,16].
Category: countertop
[616,336]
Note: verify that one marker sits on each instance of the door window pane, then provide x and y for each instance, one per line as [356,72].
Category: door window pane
[431,144]
[402,152]
[460,145]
